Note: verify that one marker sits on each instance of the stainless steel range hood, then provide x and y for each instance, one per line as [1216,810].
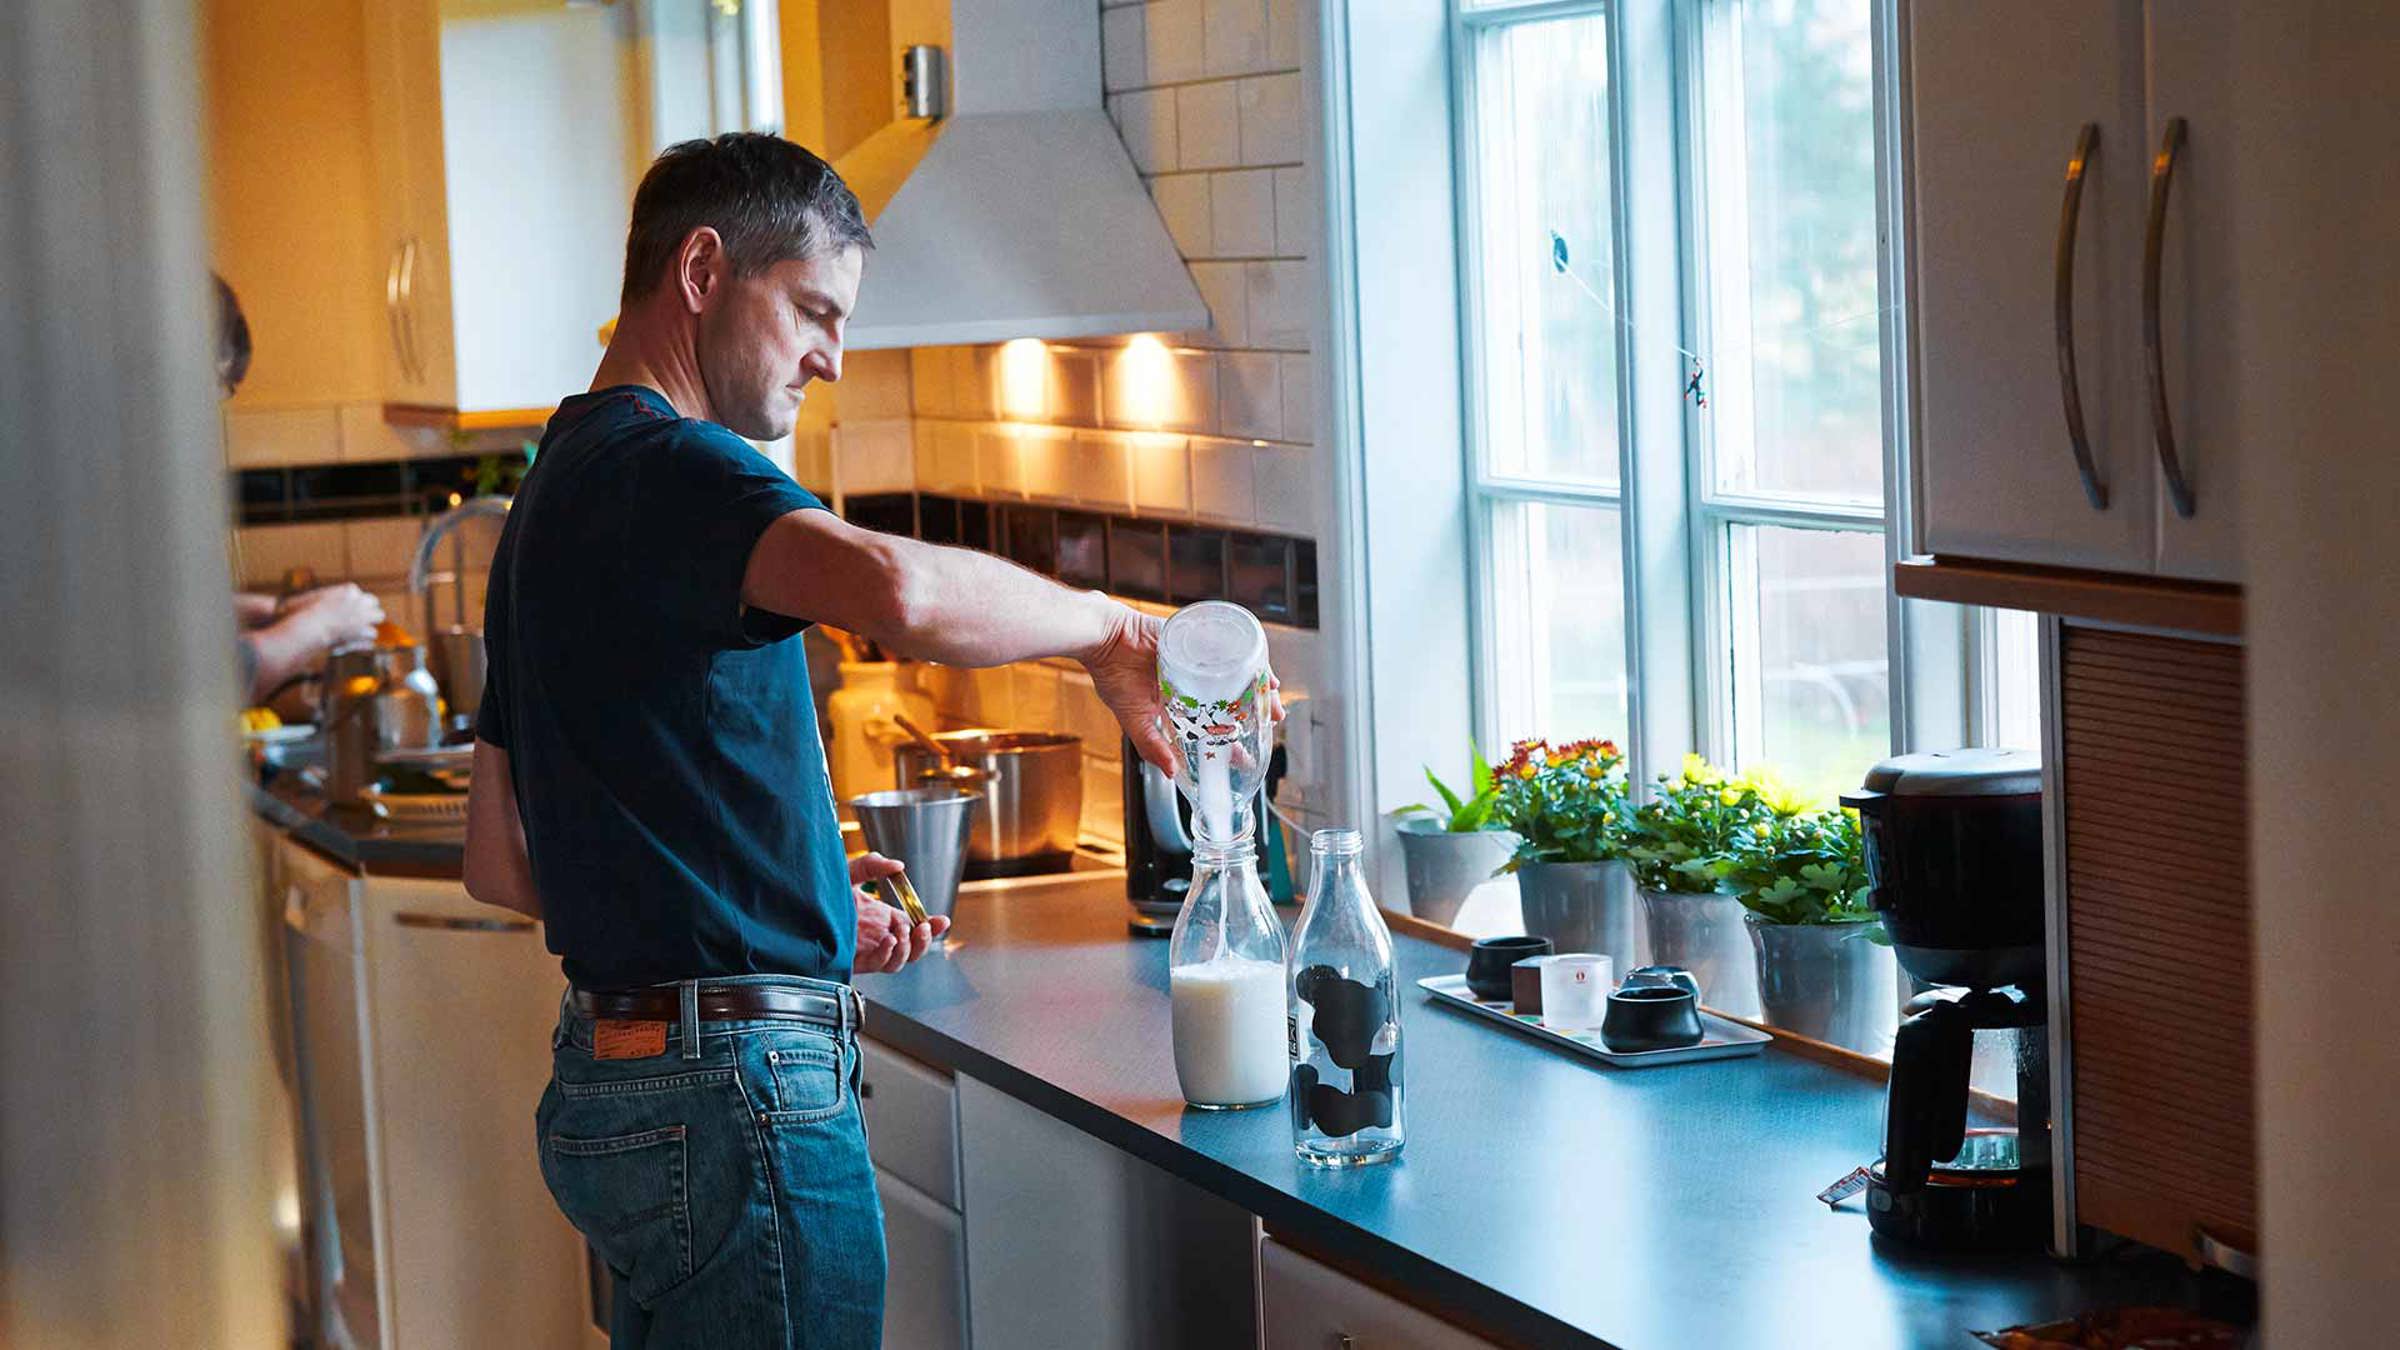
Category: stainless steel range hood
[1019,213]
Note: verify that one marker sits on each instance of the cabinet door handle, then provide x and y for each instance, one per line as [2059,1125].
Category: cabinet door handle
[2062,310]
[391,306]
[2154,363]
[408,307]
[459,924]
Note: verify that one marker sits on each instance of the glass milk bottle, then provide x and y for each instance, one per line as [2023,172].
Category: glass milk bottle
[1344,1033]
[1225,976]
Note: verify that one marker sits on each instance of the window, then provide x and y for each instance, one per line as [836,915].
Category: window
[1760,572]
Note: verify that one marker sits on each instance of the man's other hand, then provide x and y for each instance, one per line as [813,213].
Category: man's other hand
[886,939]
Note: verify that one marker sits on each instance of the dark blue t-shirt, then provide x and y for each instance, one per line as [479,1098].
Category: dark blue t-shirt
[668,770]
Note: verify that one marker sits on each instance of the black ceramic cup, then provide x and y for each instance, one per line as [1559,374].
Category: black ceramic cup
[1489,961]
[1650,1017]
[1672,977]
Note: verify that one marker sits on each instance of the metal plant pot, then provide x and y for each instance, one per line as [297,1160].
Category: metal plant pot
[1443,868]
[1703,934]
[1585,907]
[1827,981]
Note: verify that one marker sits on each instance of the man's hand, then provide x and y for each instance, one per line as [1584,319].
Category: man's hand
[886,939]
[1124,671]
[336,616]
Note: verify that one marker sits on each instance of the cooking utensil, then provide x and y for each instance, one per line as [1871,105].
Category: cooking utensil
[926,829]
[1030,797]
[947,770]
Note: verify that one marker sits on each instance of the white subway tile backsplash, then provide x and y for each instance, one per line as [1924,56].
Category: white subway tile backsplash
[994,697]
[1271,125]
[1208,125]
[381,550]
[1183,204]
[1104,799]
[1161,472]
[1283,34]
[1286,482]
[1146,120]
[1195,392]
[1175,41]
[1123,63]
[1279,308]
[974,372]
[1043,454]
[1221,483]
[268,551]
[1034,687]
[945,457]
[1299,399]
[1295,212]
[874,457]
[929,382]
[1242,213]
[1236,39]
[1083,715]
[1226,288]
[1098,475]
[997,469]
[1074,395]
[1249,400]
[812,461]
[873,387]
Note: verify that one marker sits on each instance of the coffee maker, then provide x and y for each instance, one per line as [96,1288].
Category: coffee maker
[1158,844]
[1953,844]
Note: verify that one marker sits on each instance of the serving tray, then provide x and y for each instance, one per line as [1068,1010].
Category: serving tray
[1719,1038]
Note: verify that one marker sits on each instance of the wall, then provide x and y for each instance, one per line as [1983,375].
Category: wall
[1216,426]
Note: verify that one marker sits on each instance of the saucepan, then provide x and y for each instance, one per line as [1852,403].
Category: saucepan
[1031,783]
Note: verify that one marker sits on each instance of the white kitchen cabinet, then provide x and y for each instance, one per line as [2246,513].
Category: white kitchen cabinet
[1075,1242]
[925,1299]
[2031,292]
[508,136]
[1305,1304]
[422,1036]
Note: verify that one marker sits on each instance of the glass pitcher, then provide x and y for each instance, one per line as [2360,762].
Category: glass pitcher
[1225,975]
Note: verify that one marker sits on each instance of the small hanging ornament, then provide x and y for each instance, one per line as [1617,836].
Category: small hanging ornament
[1695,386]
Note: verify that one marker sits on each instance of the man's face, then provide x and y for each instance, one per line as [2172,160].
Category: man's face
[763,337]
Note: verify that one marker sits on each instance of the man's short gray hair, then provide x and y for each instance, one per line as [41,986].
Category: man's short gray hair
[768,199]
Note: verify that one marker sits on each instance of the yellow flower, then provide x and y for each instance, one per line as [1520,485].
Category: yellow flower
[1698,770]
[1729,795]
[1595,769]
[1528,769]
[1780,797]
[1762,829]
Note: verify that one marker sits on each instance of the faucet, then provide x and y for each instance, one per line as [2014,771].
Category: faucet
[420,568]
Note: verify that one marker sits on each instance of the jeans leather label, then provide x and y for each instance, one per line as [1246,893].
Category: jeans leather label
[613,1039]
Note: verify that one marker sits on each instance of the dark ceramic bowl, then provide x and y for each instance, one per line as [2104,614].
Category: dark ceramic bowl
[1489,961]
[1669,977]
[1650,1017]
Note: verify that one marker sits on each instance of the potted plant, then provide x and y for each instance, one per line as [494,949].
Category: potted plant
[1801,879]
[1451,852]
[1567,806]
[1680,843]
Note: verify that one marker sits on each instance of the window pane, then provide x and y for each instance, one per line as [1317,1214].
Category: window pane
[1812,695]
[1795,373]
[1558,621]
[2016,679]
[1545,274]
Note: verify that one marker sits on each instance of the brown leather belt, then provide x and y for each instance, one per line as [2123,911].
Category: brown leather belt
[722,1003]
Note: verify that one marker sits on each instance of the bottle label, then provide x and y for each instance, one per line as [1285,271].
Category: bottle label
[1291,1033]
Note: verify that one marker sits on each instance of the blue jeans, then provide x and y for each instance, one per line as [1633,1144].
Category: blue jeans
[724,1181]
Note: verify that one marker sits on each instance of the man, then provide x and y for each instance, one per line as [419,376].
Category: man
[649,779]
[283,641]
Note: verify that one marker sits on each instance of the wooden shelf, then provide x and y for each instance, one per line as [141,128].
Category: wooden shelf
[451,419]
[2106,597]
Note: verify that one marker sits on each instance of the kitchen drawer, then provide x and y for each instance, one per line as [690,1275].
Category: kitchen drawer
[926,1246]
[912,1121]
[1307,1305]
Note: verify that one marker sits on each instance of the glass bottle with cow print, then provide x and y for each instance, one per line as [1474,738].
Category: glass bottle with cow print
[1344,1016]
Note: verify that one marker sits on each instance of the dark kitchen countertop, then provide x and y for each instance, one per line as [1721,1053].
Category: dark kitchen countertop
[1545,1200]
[356,838]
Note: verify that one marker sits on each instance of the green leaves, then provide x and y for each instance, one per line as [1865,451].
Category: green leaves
[1469,813]
[1804,868]
[1567,804]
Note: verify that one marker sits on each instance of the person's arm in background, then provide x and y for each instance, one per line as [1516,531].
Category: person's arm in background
[251,609]
[498,872]
[312,625]
[958,607]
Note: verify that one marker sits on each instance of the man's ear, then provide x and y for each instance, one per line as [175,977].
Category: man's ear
[699,267]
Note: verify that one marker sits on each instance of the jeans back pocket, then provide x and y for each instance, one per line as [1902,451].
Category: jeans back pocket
[629,1196]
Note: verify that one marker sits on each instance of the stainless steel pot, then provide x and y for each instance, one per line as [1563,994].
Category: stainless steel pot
[1031,782]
